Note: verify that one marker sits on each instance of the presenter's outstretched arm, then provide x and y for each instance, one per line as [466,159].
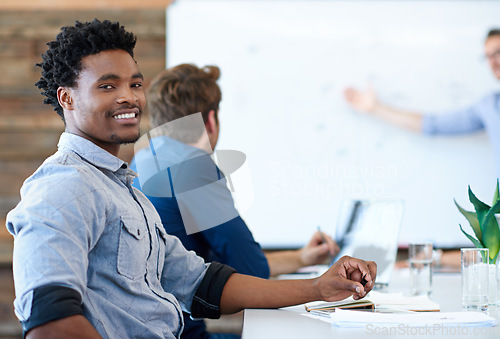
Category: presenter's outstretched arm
[367,102]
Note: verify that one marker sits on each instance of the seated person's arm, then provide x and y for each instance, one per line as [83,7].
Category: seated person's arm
[75,326]
[50,260]
[450,258]
[314,253]
[56,312]
[340,281]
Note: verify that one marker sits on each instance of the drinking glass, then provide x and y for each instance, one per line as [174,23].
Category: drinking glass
[475,277]
[420,257]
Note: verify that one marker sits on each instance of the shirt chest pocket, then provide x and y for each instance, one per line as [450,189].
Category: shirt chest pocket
[133,248]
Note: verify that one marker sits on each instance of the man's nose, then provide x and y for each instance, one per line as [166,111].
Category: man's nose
[127,95]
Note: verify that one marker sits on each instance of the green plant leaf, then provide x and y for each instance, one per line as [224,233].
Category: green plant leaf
[496,196]
[481,209]
[494,260]
[476,242]
[472,218]
[491,231]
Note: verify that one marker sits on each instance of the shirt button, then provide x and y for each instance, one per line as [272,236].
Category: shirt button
[139,232]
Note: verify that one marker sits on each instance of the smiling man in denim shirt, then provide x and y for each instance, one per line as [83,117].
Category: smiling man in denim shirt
[91,258]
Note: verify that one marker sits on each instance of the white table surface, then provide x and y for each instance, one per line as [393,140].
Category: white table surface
[290,323]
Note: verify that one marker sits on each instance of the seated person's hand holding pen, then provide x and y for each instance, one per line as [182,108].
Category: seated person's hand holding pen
[347,274]
[320,249]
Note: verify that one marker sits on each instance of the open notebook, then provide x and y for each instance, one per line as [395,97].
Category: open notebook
[369,230]
[379,301]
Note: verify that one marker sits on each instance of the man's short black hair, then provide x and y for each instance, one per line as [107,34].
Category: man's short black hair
[62,61]
[493,32]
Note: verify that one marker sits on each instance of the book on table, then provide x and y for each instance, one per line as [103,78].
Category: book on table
[343,304]
[379,301]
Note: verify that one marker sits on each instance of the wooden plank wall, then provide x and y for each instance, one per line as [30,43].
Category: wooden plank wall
[29,130]
[87,4]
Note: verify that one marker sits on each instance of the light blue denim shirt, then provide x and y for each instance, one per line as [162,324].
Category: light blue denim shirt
[483,115]
[80,224]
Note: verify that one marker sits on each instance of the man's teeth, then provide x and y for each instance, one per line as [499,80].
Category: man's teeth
[125,116]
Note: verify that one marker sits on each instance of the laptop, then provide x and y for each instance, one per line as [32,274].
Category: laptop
[369,230]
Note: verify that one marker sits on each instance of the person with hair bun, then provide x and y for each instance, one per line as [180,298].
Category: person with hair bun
[175,95]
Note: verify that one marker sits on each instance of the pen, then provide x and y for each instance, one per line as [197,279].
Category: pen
[363,281]
[330,258]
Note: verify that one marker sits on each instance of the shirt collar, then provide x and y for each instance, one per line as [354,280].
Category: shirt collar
[95,154]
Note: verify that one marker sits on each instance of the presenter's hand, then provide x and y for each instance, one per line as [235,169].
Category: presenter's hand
[362,101]
[320,248]
[348,276]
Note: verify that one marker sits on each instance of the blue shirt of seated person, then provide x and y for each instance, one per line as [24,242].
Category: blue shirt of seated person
[222,234]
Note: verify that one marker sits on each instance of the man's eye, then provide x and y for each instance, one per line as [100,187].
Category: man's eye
[137,85]
[106,86]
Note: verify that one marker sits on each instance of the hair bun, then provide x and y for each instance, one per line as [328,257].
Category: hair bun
[212,71]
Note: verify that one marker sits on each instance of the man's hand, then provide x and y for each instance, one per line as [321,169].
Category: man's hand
[367,102]
[315,252]
[348,276]
[318,249]
[362,101]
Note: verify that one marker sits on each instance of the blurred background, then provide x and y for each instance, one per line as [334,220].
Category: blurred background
[29,130]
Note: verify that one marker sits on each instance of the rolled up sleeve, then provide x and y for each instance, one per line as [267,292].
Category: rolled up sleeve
[52,232]
[462,121]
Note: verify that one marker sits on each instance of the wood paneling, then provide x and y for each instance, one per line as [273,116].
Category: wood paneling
[9,325]
[43,26]
[29,129]
[88,4]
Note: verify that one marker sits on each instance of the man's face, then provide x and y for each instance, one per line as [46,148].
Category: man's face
[106,104]
[492,51]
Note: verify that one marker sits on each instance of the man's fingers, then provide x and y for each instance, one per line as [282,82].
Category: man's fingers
[367,268]
[324,239]
[333,248]
[336,248]
[356,276]
[348,93]
[343,284]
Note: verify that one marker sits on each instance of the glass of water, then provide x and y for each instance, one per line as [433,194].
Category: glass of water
[420,258]
[475,277]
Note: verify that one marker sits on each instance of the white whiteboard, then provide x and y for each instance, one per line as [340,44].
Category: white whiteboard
[284,65]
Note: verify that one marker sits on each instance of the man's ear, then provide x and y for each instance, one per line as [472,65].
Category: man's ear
[211,123]
[65,99]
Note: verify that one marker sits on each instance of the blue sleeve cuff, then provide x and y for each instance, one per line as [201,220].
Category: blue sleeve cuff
[206,301]
[428,124]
